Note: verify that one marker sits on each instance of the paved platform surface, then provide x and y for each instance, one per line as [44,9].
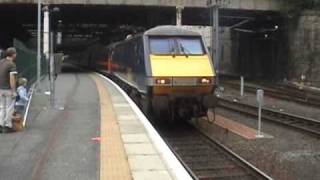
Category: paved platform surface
[136,152]
[146,154]
[75,143]
[56,144]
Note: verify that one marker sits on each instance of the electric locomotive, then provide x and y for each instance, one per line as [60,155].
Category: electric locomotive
[167,70]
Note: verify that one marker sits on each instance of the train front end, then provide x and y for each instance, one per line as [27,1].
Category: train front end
[182,73]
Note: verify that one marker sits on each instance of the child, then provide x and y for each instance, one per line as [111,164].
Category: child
[22,97]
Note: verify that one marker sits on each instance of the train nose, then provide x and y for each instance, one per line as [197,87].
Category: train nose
[180,66]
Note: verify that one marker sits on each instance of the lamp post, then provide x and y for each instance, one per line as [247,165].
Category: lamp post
[48,49]
[39,47]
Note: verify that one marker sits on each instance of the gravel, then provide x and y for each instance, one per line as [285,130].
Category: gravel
[290,154]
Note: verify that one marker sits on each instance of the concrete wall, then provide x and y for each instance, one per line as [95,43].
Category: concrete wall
[233,4]
[304,43]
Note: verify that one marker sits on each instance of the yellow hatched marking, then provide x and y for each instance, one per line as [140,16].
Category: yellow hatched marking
[113,159]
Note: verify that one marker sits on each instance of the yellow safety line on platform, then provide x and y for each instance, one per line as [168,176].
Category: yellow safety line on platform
[113,159]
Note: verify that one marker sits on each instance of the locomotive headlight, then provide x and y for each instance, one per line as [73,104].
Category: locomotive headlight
[162,81]
[204,80]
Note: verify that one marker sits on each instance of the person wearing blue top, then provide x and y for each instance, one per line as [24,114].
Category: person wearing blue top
[22,96]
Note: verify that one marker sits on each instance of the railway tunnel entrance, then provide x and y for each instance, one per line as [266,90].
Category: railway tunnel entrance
[253,42]
[259,49]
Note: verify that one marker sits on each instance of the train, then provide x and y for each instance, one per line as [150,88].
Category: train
[167,70]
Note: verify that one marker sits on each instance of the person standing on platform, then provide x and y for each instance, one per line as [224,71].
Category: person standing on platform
[8,93]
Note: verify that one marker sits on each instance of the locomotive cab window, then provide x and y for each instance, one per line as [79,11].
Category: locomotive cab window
[176,46]
[190,46]
[162,46]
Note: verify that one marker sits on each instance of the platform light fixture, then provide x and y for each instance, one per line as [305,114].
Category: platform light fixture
[59,33]
[204,80]
[162,81]
[59,38]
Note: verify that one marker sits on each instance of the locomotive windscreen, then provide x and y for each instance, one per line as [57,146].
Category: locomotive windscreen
[176,46]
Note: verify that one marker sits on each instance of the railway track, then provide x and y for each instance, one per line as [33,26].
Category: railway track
[206,158]
[282,92]
[308,125]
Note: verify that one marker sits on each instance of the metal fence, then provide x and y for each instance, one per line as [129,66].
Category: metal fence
[27,62]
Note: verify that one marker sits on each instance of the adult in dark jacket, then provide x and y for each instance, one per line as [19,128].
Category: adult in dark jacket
[7,89]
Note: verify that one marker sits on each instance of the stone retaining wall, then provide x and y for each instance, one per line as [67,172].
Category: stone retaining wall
[304,46]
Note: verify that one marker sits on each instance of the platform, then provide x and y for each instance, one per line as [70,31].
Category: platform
[94,132]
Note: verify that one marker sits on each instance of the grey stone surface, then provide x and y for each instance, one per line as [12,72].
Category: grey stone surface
[118,99]
[146,162]
[121,105]
[154,175]
[56,144]
[129,123]
[140,149]
[135,138]
[127,117]
[131,129]
[123,110]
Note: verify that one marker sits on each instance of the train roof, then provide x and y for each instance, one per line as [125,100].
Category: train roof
[170,31]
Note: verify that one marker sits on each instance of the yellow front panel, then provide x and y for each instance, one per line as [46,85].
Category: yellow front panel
[181,66]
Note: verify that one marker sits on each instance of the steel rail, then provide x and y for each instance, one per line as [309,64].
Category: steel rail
[305,124]
[294,95]
[206,158]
